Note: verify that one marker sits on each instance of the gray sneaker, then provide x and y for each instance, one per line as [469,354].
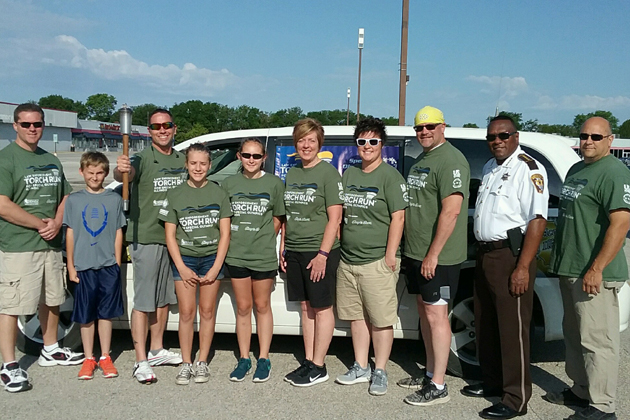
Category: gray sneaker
[428,395]
[413,382]
[184,375]
[202,373]
[355,375]
[379,382]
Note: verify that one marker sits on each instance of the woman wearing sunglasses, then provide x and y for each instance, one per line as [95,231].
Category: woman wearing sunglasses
[313,199]
[375,198]
[252,263]
[196,218]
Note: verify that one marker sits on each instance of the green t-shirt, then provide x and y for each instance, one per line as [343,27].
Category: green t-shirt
[253,237]
[34,181]
[590,192]
[156,173]
[309,192]
[196,212]
[433,177]
[369,201]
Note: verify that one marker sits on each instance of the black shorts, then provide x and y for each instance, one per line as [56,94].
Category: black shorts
[235,272]
[443,285]
[300,287]
[98,295]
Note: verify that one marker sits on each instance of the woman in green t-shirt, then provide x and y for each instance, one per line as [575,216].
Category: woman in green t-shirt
[313,197]
[252,262]
[196,218]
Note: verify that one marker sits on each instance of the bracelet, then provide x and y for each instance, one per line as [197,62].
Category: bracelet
[324,253]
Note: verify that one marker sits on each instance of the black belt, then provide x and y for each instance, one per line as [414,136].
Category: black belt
[494,245]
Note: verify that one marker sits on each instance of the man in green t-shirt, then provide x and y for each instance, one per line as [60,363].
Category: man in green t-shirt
[33,192]
[593,220]
[435,246]
[152,173]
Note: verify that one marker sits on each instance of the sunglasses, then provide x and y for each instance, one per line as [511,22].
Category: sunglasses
[38,124]
[363,142]
[595,137]
[429,127]
[501,136]
[256,156]
[157,126]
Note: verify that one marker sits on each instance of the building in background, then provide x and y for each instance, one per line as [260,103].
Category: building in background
[65,132]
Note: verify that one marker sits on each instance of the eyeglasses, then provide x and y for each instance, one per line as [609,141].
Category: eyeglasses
[501,136]
[157,126]
[594,137]
[37,124]
[256,156]
[363,142]
[429,127]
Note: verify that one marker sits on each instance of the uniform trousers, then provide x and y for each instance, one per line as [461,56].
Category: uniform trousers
[591,338]
[502,327]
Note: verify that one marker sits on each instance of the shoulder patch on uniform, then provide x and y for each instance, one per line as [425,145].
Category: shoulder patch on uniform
[539,182]
[529,161]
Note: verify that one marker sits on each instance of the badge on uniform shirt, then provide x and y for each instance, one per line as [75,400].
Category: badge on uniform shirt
[539,182]
[505,177]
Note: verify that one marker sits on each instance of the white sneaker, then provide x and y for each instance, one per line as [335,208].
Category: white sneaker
[164,357]
[143,372]
[62,356]
[14,378]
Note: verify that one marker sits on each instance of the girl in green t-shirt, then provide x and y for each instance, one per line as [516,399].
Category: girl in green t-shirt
[258,206]
[196,209]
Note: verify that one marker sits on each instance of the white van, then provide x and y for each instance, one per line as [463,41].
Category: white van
[400,151]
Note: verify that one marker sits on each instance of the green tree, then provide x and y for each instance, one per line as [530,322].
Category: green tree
[530,125]
[101,107]
[285,117]
[470,125]
[561,129]
[141,114]
[196,131]
[390,120]
[63,104]
[579,120]
[624,130]
[334,117]
[516,116]
[246,117]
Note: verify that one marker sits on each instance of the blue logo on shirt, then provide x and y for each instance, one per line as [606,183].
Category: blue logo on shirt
[94,214]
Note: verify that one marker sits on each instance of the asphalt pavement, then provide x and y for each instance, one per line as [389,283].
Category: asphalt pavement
[58,394]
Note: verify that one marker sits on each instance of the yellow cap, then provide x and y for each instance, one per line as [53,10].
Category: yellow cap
[429,115]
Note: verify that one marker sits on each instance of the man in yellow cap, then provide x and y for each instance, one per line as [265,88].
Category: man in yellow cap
[435,246]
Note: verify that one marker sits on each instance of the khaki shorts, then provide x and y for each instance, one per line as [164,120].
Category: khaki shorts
[28,278]
[368,292]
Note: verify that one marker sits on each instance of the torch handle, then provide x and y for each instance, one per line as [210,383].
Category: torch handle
[125,176]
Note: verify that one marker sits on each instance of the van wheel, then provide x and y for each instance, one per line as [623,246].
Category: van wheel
[30,340]
[462,360]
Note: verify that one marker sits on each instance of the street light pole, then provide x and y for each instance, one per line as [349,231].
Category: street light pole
[361,36]
[402,93]
[348,111]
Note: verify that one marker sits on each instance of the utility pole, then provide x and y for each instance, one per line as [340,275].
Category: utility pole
[361,36]
[402,92]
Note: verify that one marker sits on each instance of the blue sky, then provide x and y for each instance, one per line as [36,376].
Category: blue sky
[549,60]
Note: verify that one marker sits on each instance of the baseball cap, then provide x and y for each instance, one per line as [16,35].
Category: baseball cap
[428,115]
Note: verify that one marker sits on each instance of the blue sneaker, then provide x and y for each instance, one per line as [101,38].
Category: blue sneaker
[263,369]
[241,370]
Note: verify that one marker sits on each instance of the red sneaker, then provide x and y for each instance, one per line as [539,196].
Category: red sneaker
[87,369]
[108,368]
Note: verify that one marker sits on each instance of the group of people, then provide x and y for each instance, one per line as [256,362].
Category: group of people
[340,245]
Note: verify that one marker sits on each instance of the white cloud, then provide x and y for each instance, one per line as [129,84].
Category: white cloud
[503,86]
[67,51]
[589,102]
